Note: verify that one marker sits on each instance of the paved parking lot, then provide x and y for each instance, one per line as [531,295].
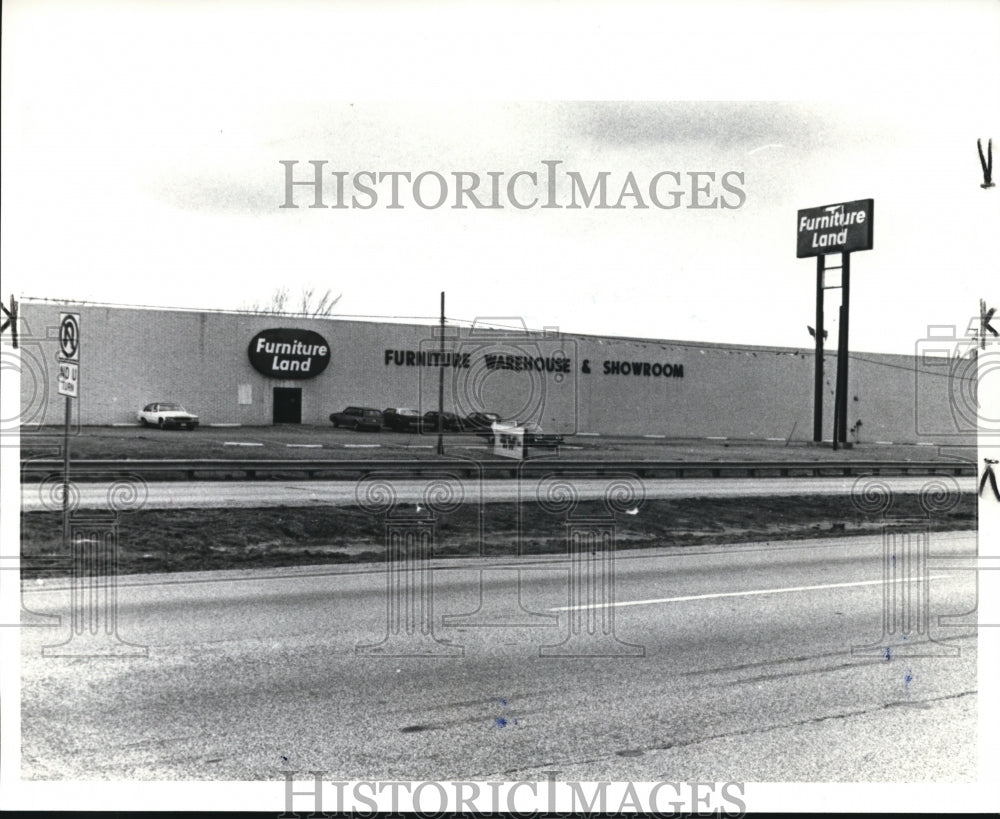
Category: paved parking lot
[324,442]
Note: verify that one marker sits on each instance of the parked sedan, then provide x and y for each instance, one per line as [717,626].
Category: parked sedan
[480,422]
[167,415]
[450,421]
[533,436]
[401,419]
[358,418]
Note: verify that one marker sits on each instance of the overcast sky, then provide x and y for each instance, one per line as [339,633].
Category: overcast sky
[142,145]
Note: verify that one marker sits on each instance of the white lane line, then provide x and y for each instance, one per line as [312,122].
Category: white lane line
[589,433]
[305,446]
[885,443]
[240,443]
[716,438]
[731,594]
[776,439]
[654,436]
[362,446]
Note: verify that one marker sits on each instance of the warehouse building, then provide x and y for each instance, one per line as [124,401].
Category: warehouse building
[260,369]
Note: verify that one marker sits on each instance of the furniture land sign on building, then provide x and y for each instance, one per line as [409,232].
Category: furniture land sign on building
[289,353]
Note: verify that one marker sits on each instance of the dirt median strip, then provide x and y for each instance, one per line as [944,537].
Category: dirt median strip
[213,539]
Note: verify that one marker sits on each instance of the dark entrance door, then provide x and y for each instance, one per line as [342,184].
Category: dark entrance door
[287,405]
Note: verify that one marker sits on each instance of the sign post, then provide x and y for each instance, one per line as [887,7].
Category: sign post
[820,338]
[69,385]
[440,429]
[841,228]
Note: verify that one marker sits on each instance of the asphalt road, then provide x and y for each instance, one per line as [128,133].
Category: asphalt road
[256,494]
[726,663]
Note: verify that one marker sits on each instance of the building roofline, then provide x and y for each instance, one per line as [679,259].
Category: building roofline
[424,322]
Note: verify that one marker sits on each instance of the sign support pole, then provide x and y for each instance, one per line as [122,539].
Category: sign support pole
[818,388]
[69,386]
[842,353]
[840,399]
[838,389]
[440,446]
[65,498]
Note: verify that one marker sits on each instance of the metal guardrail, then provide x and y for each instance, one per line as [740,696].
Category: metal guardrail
[342,469]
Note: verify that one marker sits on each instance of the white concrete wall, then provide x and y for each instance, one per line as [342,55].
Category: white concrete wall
[130,357]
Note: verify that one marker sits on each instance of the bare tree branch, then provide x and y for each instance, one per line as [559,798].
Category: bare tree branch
[308,304]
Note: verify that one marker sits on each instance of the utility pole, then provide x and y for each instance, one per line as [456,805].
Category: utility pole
[440,446]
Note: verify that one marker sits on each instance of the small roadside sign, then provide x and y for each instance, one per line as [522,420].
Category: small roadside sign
[69,336]
[69,379]
[508,441]
[69,355]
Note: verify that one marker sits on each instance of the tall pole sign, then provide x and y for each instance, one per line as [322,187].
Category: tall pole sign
[69,385]
[841,228]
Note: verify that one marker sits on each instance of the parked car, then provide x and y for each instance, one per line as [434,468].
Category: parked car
[167,414]
[401,419]
[358,418]
[533,436]
[450,421]
[480,422]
